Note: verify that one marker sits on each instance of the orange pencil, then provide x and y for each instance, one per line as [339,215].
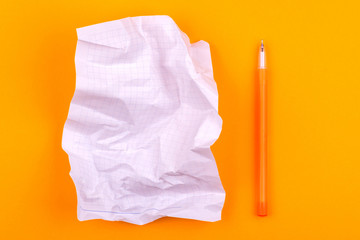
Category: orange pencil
[262,171]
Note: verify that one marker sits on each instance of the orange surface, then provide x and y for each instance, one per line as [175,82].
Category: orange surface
[314,117]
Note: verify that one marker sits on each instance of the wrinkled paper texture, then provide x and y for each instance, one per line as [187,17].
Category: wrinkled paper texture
[141,123]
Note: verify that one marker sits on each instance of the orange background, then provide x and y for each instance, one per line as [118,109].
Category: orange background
[313,55]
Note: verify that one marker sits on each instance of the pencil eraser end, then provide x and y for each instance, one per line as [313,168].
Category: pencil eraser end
[262,210]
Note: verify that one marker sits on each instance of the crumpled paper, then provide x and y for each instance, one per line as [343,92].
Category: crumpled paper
[141,123]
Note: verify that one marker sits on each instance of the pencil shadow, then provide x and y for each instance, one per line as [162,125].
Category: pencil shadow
[256,135]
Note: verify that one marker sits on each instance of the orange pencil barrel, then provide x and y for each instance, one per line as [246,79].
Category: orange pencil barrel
[262,166]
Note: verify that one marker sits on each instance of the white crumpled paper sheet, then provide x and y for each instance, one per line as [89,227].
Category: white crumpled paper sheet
[141,123]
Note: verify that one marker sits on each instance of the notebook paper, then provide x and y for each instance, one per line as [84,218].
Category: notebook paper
[141,122]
